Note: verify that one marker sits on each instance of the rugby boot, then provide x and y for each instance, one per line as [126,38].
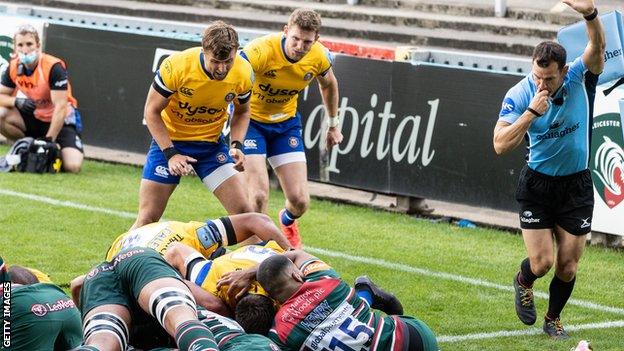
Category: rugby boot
[525,306]
[382,300]
[554,329]
[291,232]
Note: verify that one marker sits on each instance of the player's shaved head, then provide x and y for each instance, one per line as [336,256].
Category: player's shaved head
[274,273]
[21,275]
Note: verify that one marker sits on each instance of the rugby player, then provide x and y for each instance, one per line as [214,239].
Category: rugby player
[205,237]
[185,111]
[319,311]
[42,316]
[232,278]
[284,64]
[138,299]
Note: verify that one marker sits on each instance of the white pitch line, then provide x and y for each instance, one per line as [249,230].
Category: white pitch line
[523,332]
[454,277]
[68,204]
[367,260]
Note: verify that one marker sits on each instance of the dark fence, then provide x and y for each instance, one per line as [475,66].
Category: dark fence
[422,131]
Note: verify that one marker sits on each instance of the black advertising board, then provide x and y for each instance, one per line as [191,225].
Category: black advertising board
[422,131]
[110,73]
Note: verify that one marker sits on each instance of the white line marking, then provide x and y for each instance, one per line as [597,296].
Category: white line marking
[68,204]
[530,331]
[453,277]
[367,260]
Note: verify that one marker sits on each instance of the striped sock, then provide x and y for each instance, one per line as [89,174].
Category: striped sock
[85,348]
[287,218]
[196,336]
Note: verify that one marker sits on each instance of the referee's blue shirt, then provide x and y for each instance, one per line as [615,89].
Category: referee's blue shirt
[559,142]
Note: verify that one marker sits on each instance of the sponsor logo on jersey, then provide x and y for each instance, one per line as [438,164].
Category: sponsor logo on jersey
[293,142]
[41,310]
[38,310]
[507,106]
[315,266]
[93,273]
[221,158]
[187,91]
[270,74]
[559,133]
[161,171]
[229,97]
[308,76]
[277,91]
[191,110]
[250,144]
[608,158]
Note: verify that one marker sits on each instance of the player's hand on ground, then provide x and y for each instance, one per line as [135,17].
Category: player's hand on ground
[238,282]
[239,158]
[540,102]
[584,7]
[334,137]
[180,165]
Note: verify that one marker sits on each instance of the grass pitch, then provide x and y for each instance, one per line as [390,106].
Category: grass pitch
[458,280]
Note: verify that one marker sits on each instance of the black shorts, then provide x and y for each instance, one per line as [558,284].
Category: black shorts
[67,137]
[546,201]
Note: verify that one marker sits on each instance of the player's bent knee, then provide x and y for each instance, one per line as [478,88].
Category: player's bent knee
[164,300]
[109,325]
[541,266]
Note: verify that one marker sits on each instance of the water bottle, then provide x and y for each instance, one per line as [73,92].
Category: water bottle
[464,223]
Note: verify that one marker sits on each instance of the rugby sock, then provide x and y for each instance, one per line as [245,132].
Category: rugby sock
[194,335]
[526,277]
[560,292]
[287,218]
[365,294]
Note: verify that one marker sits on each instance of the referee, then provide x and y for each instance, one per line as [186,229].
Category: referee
[552,108]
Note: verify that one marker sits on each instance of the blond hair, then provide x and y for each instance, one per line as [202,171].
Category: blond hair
[306,19]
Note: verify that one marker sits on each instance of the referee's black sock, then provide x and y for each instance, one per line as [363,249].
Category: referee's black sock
[526,277]
[560,292]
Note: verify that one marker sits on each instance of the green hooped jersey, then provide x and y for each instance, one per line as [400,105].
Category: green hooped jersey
[230,336]
[326,314]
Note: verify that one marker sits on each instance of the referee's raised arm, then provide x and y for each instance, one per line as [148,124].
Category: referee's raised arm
[593,57]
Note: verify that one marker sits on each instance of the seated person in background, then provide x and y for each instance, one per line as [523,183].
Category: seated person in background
[205,237]
[320,311]
[48,110]
[42,316]
[138,299]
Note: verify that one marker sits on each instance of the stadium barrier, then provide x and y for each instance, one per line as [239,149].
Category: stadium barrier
[417,129]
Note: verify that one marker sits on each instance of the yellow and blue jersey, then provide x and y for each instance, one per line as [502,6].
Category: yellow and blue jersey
[204,237]
[278,80]
[242,258]
[198,104]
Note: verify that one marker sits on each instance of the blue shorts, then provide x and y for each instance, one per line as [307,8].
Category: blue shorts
[214,164]
[280,142]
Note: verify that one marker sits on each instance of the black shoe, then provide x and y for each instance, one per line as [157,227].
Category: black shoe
[525,307]
[382,300]
[554,329]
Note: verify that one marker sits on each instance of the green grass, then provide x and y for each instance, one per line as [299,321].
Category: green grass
[65,242]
